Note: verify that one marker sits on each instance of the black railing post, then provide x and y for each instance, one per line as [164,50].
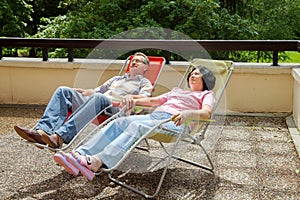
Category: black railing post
[1,55]
[167,54]
[45,54]
[275,58]
[70,55]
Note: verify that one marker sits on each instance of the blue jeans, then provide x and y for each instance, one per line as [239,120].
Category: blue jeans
[84,109]
[112,142]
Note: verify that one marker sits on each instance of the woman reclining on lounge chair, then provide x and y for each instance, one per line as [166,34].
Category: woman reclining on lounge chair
[110,144]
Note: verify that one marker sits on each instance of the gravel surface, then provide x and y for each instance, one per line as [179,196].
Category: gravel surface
[253,159]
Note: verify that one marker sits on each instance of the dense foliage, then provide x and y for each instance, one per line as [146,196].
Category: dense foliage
[104,18]
[13,17]
[198,19]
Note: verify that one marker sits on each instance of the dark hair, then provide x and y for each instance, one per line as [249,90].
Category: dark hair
[208,77]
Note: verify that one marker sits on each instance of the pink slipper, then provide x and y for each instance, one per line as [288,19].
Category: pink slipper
[60,159]
[82,164]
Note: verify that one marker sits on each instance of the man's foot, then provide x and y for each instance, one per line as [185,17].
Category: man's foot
[29,135]
[54,141]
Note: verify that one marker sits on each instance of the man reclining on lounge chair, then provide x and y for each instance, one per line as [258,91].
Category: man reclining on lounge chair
[110,143]
[86,104]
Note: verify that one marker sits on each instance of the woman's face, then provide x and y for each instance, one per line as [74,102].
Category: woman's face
[195,80]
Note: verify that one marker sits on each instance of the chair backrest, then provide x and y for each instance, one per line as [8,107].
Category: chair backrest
[222,71]
[152,74]
[154,70]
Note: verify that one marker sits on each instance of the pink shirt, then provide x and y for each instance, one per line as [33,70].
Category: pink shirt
[177,100]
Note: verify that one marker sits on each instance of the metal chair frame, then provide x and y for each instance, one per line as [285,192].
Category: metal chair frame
[195,139]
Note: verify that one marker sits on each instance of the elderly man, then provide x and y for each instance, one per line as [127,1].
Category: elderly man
[52,129]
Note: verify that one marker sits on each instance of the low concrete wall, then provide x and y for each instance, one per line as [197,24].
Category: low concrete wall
[296,103]
[252,88]
[30,81]
[261,88]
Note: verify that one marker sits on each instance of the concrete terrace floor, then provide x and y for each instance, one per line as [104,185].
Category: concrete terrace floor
[255,158]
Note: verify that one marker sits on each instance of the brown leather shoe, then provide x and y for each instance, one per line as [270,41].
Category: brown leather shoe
[29,135]
[54,141]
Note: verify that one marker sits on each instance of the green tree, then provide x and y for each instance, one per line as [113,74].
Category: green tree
[42,9]
[279,20]
[203,19]
[13,17]
[199,19]
[102,19]
[274,20]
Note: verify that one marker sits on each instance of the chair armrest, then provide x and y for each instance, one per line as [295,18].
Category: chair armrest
[142,109]
[188,122]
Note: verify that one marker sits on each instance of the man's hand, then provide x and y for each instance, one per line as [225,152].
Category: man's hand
[85,92]
[127,102]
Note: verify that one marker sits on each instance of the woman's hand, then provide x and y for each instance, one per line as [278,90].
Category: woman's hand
[181,117]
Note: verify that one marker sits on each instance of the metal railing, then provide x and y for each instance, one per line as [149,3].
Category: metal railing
[274,46]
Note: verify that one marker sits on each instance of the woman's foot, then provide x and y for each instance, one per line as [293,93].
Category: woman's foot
[83,164]
[75,154]
[60,158]
[87,165]
[95,162]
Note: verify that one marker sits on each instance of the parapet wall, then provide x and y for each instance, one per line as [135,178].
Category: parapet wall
[296,99]
[253,87]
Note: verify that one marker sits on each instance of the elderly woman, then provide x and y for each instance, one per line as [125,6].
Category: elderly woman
[110,144]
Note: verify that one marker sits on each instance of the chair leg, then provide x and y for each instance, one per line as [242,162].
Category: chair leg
[209,167]
[147,148]
[169,157]
[134,189]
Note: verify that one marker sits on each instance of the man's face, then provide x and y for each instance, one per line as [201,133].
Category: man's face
[138,65]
